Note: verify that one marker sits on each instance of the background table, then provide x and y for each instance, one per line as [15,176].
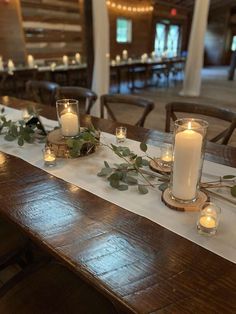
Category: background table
[141,266]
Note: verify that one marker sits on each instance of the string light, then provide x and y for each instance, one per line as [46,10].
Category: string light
[129,8]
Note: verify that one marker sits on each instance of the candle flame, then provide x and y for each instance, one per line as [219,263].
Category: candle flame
[189,125]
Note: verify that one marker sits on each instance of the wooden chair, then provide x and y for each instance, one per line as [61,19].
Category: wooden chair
[85,96]
[42,92]
[53,289]
[205,110]
[135,101]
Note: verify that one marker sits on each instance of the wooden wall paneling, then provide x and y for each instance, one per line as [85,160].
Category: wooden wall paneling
[52,28]
[12,43]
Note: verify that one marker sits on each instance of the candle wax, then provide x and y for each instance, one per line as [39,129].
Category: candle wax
[120,135]
[69,124]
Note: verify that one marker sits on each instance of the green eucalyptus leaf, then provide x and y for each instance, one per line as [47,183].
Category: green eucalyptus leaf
[145,162]
[9,137]
[132,156]
[131,181]
[142,189]
[162,187]
[229,176]
[143,147]
[126,152]
[13,130]
[70,142]
[123,187]
[114,183]
[20,141]
[233,191]
[138,161]
[104,172]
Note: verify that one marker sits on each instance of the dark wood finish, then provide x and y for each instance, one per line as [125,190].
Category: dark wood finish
[12,37]
[206,110]
[85,96]
[130,100]
[53,290]
[136,263]
[42,92]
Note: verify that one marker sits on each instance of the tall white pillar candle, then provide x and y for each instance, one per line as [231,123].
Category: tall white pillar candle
[125,54]
[187,163]
[78,58]
[69,123]
[65,60]
[30,61]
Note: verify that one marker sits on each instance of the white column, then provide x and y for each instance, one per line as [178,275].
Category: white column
[192,80]
[101,70]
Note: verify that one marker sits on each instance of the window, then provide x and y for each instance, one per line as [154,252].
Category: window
[123,30]
[167,39]
[233,46]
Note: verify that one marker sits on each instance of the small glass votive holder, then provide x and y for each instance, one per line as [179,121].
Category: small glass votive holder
[208,219]
[121,133]
[166,157]
[49,157]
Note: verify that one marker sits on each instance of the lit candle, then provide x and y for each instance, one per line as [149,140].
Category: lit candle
[130,60]
[53,66]
[121,133]
[69,123]
[113,63]
[125,54]
[1,64]
[118,59]
[30,61]
[153,55]
[49,157]
[78,58]
[208,219]
[65,60]
[187,159]
[11,66]
[166,155]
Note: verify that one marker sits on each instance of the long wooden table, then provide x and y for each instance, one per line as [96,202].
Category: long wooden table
[140,266]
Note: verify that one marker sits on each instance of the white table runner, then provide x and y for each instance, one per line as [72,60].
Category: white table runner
[83,173]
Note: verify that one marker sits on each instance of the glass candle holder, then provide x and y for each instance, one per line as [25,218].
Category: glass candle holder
[49,157]
[68,117]
[188,154]
[166,157]
[121,133]
[208,219]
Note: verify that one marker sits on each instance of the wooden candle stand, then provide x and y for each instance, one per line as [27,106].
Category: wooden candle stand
[58,144]
[190,207]
[156,166]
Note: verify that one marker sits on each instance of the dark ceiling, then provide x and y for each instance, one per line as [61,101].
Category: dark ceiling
[189,4]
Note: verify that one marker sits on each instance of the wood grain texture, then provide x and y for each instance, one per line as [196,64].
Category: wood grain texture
[141,266]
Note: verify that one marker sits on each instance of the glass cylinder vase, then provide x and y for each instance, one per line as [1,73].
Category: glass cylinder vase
[188,154]
[68,117]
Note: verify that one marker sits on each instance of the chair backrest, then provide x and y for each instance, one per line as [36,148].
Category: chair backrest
[42,91]
[85,96]
[206,110]
[108,100]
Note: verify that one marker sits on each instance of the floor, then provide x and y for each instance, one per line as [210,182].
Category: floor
[216,90]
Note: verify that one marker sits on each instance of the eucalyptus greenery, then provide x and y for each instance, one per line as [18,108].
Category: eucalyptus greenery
[17,130]
[130,172]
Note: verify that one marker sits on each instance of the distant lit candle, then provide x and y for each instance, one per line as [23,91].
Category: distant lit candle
[11,66]
[65,60]
[118,59]
[30,61]
[187,159]
[25,114]
[69,123]
[78,58]
[125,54]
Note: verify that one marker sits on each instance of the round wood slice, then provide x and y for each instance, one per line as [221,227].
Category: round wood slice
[58,144]
[156,166]
[191,207]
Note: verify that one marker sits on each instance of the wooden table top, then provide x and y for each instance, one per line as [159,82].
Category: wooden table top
[139,265]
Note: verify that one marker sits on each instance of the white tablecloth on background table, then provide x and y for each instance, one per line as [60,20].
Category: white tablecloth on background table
[83,173]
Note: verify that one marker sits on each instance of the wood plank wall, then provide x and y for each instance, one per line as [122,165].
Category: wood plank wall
[52,27]
[12,43]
